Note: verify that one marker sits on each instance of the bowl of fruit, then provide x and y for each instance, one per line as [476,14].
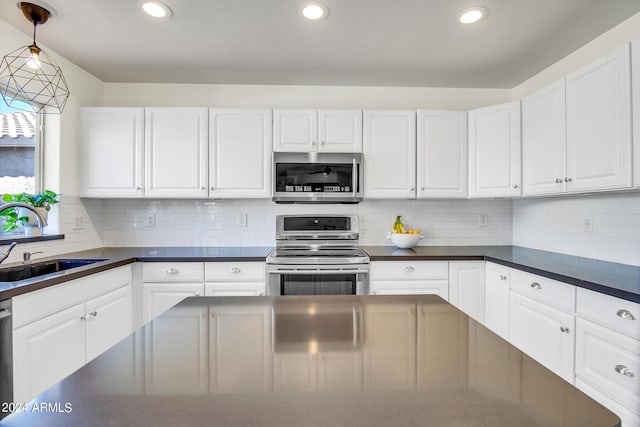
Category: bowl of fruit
[404,238]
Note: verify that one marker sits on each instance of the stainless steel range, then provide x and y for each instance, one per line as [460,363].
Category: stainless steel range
[317,255]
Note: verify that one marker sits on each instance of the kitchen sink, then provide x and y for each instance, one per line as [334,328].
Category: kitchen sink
[22,272]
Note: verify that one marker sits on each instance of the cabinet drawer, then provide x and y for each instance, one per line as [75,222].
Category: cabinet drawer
[234,271]
[552,292]
[618,314]
[217,289]
[172,272]
[409,270]
[610,362]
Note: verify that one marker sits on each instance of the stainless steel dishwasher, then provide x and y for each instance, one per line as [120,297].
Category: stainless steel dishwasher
[6,356]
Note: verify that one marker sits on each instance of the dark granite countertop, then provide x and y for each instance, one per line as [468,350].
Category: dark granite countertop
[618,280]
[381,361]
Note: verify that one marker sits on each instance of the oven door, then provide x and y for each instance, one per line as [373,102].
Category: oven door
[317,280]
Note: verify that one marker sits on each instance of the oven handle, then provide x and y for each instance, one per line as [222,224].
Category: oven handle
[314,271]
[354,178]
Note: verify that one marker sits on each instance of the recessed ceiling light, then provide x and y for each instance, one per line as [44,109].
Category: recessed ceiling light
[472,14]
[154,8]
[314,11]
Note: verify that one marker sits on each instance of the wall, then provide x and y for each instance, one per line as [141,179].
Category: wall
[206,223]
[263,96]
[556,224]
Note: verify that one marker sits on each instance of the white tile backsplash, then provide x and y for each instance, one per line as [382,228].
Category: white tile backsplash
[206,223]
[556,224]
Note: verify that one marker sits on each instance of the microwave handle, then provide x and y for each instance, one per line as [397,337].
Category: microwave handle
[354,178]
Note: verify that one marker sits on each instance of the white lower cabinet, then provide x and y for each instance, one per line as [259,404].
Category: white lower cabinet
[466,287]
[59,329]
[160,297]
[390,346]
[608,353]
[240,348]
[410,278]
[235,279]
[496,299]
[176,352]
[544,333]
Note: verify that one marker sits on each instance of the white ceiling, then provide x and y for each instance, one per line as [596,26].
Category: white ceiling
[362,42]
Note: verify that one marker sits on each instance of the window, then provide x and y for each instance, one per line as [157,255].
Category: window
[19,149]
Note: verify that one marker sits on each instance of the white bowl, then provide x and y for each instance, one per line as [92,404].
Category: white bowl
[405,241]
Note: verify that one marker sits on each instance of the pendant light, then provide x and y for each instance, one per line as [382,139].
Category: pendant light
[29,74]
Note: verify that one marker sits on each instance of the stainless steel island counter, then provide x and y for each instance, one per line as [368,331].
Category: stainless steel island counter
[313,361]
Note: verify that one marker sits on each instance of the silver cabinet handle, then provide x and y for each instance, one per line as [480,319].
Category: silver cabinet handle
[235,270]
[313,143]
[137,187]
[411,189]
[202,187]
[564,329]
[536,285]
[422,188]
[625,314]
[321,142]
[196,294]
[558,180]
[623,370]
[567,180]
[514,186]
[172,271]
[409,269]
[213,188]
[503,277]
[91,316]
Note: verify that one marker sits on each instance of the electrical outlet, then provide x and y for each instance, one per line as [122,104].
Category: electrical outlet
[483,221]
[242,220]
[78,222]
[150,221]
[588,224]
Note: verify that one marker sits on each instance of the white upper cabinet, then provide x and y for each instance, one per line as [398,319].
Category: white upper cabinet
[441,154]
[635,85]
[599,124]
[111,154]
[544,141]
[494,151]
[240,145]
[340,131]
[176,152]
[389,154]
[328,131]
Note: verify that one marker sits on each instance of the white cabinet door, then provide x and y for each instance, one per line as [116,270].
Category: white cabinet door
[295,130]
[543,333]
[221,289]
[111,152]
[635,85]
[599,124]
[177,352]
[442,154]
[340,371]
[390,346]
[411,287]
[389,154]
[240,146]
[494,151]
[340,131]
[159,297]
[466,287]
[240,348]
[108,320]
[496,302]
[46,351]
[544,141]
[176,152]
[295,371]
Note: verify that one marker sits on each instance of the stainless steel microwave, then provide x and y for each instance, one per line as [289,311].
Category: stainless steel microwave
[317,177]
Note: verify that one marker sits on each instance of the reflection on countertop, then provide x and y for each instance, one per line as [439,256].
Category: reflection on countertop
[352,361]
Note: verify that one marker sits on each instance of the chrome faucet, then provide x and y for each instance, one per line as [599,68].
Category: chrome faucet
[4,255]
[42,222]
